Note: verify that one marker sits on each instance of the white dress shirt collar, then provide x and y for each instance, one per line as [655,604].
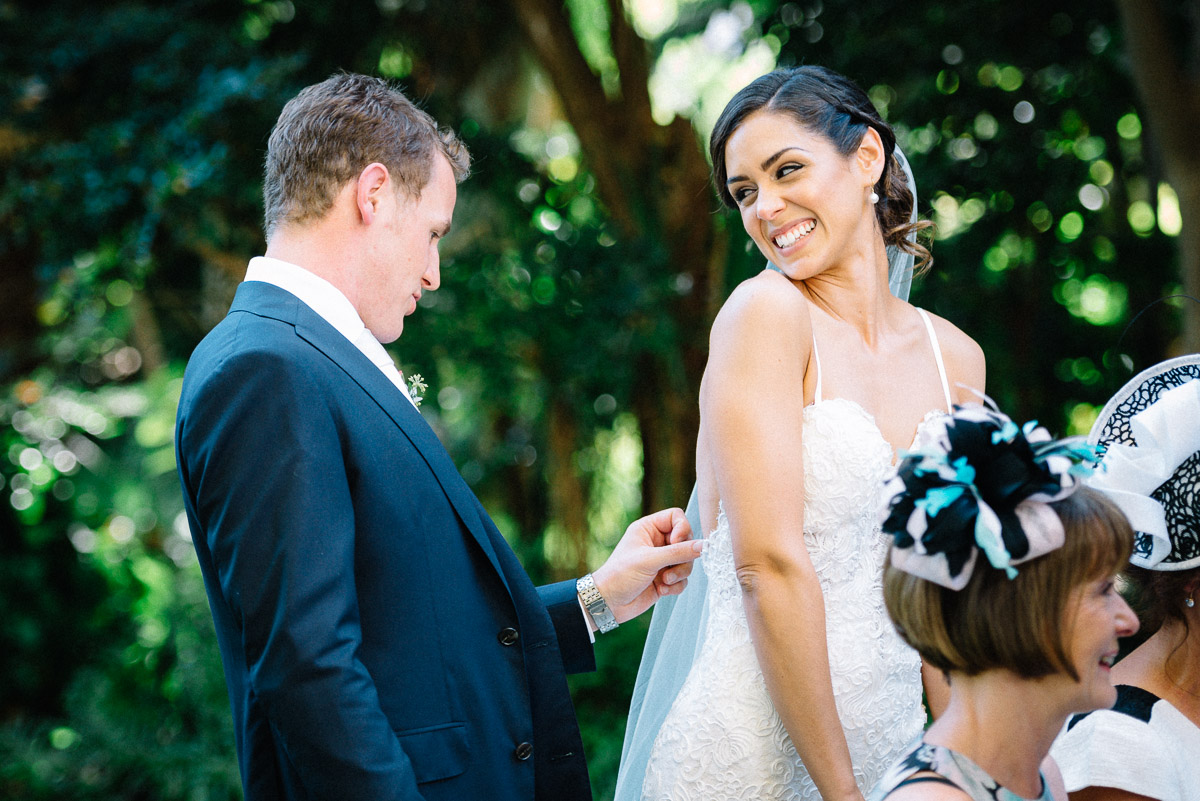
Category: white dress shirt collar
[330,304]
[316,293]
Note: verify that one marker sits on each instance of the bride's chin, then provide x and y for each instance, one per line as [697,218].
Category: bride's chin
[794,271]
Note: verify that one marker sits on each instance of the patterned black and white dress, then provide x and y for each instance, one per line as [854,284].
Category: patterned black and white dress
[951,768]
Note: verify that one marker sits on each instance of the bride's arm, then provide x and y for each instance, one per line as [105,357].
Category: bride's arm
[751,410]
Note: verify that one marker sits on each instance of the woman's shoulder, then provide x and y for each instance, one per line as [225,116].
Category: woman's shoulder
[956,344]
[764,303]
[920,774]
[763,333]
[1132,719]
[767,290]
[963,358]
[1119,748]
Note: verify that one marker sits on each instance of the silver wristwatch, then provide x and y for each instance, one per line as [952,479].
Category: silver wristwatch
[593,601]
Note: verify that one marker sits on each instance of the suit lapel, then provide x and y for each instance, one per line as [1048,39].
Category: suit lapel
[271,301]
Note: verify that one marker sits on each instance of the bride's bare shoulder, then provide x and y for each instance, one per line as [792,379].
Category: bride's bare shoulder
[767,303]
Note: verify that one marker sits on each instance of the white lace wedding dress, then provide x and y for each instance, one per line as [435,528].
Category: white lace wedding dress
[722,738]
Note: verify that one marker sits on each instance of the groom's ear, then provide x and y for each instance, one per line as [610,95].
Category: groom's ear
[870,156]
[370,191]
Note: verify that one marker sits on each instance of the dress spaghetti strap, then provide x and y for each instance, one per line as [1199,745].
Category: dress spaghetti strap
[933,340]
[937,352]
[817,359]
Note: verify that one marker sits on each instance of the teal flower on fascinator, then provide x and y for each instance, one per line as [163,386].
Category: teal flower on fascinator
[980,483]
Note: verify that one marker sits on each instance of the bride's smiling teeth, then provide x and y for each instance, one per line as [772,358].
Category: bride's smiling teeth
[789,239]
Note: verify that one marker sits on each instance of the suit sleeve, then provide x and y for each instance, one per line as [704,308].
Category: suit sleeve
[262,452]
[562,602]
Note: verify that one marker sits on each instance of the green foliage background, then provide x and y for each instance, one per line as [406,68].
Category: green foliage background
[131,141]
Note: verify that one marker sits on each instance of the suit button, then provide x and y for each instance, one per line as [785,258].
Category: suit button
[508,636]
[523,751]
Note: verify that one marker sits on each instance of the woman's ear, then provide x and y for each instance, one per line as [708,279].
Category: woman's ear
[870,157]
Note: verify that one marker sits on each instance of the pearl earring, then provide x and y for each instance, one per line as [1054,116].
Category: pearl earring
[873,197]
[1189,602]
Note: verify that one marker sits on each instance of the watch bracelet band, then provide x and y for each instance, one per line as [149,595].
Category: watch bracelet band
[595,604]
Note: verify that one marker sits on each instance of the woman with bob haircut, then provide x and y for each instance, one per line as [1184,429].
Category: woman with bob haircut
[1001,574]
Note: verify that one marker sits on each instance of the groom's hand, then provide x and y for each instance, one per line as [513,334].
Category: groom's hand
[653,558]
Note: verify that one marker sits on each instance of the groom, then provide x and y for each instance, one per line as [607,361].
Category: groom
[379,638]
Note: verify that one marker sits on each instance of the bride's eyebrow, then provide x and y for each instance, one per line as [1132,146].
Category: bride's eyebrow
[767,162]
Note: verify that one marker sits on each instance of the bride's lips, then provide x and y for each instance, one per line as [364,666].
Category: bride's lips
[413,307]
[794,234]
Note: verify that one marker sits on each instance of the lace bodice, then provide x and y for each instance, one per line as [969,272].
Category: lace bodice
[722,737]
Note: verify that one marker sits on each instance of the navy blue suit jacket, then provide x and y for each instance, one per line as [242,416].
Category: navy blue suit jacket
[379,638]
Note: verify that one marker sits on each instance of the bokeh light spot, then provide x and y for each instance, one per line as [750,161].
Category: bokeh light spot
[1129,126]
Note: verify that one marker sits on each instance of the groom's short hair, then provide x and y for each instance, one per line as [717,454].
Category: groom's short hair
[330,131]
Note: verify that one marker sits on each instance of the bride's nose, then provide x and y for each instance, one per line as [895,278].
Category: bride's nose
[768,205]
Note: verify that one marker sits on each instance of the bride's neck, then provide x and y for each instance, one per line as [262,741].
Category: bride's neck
[1002,723]
[855,293]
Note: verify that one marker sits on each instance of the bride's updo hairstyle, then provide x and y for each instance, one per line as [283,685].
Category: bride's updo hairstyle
[831,105]
[1019,624]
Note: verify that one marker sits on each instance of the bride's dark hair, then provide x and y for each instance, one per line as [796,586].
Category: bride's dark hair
[832,105]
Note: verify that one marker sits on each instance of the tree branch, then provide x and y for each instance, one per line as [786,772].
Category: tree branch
[548,32]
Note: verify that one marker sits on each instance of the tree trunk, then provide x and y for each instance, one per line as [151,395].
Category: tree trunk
[18,323]
[1171,98]
[568,493]
[1188,189]
[653,180]
[145,335]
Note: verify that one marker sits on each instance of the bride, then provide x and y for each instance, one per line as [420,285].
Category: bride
[817,377]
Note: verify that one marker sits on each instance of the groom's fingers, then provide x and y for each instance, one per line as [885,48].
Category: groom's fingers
[678,557]
[666,526]
[653,547]
[681,529]
[671,589]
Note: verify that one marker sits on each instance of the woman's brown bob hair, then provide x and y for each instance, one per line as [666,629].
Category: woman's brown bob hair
[1018,624]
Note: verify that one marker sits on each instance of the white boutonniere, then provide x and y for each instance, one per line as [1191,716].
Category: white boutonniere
[417,388]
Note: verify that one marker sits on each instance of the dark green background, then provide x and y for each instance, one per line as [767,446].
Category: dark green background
[573,318]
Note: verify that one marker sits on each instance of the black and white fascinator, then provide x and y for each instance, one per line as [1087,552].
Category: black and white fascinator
[978,482]
[1150,434]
